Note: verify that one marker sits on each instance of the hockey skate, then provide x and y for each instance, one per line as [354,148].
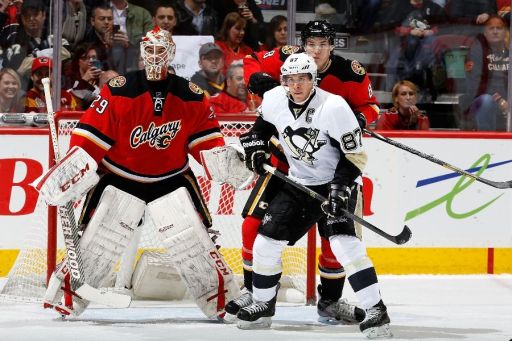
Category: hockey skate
[338,312]
[233,307]
[258,315]
[376,322]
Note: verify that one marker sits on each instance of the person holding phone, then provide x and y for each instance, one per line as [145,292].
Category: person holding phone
[82,74]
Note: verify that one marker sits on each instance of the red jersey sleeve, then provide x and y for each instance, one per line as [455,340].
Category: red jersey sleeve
[363,100]
[95,130]
[206,134]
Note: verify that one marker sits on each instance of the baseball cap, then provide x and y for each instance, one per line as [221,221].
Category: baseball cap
[40,62]
[37,5]
[207,48]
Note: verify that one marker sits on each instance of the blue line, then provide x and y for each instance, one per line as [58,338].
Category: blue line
[439,178]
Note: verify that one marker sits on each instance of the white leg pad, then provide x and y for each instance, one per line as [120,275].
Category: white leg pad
[106,236]
[207,277]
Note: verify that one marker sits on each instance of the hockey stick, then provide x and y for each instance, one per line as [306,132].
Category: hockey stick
[496,184]
[399,239]
[70,230]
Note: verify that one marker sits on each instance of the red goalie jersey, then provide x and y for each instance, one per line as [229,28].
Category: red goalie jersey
[145,134]
[344,77]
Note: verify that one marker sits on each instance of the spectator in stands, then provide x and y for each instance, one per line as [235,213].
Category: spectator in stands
[232,99]
[10,89]
[414,57]
[250,11]
[82,74]
[101,32]
[74,25]
[486,70]
[277,33]
[29,40]
[130,24]
[164,16]
[211,61]
[465,16]
[9,11]
[230,38]
[404,115]
[35,99]
[195,17]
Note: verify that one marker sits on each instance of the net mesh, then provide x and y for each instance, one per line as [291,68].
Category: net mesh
[27,278]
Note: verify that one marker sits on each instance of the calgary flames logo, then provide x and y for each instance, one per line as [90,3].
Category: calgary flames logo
[195,88]
[117,82]
[158,137]
[289,49]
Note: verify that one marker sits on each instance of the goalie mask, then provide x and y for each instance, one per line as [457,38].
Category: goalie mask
[320,29]
[299,64]
[157,50]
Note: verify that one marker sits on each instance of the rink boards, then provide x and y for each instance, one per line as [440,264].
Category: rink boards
[459,226]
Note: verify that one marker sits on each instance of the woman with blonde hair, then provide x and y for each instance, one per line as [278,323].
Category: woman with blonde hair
[404,115]
[10,86]
[230,39]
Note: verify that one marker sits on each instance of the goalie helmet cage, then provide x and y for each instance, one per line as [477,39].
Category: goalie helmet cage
[225,205]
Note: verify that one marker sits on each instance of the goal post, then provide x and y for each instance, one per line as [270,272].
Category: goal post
[225,205]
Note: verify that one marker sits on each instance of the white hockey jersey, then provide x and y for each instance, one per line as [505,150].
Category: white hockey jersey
[306,140]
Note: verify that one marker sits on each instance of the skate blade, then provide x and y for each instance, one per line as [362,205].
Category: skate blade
[381,332]
[261,323]
[333,321]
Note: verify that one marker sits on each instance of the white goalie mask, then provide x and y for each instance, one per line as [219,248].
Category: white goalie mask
[298,63]
[157,50]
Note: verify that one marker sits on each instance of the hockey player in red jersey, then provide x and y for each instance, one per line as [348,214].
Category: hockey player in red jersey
[139,131]
[337,75]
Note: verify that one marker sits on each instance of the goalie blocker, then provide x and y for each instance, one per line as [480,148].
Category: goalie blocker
[202,268]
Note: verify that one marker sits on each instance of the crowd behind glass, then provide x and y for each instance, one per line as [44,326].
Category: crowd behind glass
[434,64]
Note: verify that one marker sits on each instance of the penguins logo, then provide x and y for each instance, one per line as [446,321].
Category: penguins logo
[303,143]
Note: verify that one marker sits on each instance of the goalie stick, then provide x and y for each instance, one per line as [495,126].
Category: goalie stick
[495,184]
[70,231]
[401,238]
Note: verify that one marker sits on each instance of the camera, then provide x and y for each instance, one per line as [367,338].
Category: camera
[117,28]
[242,6]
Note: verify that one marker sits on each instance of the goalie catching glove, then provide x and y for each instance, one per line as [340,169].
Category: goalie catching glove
[337,200]
[226,165]
[69,179]
[255,149]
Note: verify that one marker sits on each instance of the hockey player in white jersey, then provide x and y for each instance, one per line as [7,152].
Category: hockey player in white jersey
[322,142]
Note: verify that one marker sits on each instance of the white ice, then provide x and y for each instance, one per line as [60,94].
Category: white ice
[421,308]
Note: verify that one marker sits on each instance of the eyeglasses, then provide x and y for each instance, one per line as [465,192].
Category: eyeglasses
[88,57]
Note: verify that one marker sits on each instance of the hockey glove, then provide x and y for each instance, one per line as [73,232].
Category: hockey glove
[337,200]
[255,152]
[261,82]
[361,119]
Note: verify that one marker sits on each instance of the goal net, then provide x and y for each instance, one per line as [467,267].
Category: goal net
[27,278]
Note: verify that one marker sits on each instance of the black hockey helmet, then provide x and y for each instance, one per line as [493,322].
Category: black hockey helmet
[318,28]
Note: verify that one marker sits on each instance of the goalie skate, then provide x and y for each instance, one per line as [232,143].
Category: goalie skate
[376,322]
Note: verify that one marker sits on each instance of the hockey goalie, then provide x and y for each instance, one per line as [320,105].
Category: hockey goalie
[129,156]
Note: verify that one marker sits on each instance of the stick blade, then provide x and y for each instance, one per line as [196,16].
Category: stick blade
[110,299]
[404,236]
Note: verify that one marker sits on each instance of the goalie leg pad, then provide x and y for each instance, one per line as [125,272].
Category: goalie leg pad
[224,164]
[207,277]
[105,238]
[69,179]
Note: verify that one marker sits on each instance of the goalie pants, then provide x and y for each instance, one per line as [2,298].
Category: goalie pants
[264,191]
[147,192]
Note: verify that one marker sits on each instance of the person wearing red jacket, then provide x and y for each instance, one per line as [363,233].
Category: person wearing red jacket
[404,115]
[340,76]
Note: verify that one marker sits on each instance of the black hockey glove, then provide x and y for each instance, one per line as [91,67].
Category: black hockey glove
[361,119]
[255,152]
[261,82]
[337,200]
